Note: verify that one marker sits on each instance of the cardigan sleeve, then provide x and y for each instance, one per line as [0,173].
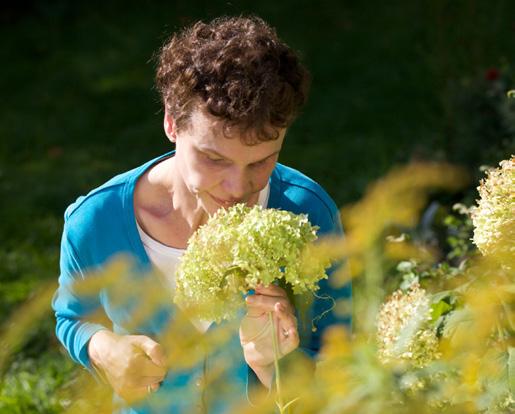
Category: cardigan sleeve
[73,311]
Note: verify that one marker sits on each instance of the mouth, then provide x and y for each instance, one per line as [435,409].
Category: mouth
[224,203]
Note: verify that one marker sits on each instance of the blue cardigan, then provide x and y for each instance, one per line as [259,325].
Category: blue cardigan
[102,225]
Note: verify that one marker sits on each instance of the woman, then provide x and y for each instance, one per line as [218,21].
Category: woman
[230,90]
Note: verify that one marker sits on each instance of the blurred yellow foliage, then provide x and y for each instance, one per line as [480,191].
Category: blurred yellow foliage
[350,378]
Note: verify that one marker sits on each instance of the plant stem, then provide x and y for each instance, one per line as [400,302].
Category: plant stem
[276,364]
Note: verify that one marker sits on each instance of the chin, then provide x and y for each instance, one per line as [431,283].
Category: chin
[212,210]
[209,205]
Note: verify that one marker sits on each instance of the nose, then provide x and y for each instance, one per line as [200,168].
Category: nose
[237,184]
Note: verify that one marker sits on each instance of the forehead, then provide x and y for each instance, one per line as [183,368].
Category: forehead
[206,130]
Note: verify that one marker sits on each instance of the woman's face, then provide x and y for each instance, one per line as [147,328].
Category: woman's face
[220,171]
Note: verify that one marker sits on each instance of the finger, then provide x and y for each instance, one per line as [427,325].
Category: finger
[271,290]
[152,349]
[144,367]
[132,395]
[149,383]
[284,318]
[287,327]
[142,381]
[266,303]
[254,312]
[256,334]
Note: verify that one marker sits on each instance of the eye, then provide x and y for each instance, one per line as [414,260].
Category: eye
[215,160]
[260,163]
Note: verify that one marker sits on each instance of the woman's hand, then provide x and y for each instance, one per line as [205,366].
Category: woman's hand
[132,364]
[256,330]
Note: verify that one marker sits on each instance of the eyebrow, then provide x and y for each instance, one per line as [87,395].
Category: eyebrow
[216,153]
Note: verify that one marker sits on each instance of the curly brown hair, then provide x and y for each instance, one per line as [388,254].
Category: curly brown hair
[238,70]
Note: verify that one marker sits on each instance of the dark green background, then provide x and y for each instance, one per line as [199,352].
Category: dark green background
[78,106]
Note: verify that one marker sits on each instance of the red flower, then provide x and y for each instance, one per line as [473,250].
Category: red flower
[54,152]
[492,74]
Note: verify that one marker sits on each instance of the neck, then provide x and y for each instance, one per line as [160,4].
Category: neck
[184,205]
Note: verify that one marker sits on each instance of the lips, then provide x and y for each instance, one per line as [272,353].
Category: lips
[223,203]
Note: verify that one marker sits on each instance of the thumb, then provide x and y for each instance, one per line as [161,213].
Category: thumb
[152,349]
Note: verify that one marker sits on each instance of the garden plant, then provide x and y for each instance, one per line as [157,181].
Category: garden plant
[423,356]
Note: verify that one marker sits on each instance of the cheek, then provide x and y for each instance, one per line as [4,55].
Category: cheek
[260,178]
[200,177]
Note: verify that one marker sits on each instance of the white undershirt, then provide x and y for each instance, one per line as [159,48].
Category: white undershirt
[166,258]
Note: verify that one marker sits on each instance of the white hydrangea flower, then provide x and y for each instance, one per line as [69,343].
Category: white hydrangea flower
[494,216]
[404,331]
[239,248]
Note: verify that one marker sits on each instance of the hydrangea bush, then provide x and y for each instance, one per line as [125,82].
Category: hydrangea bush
[428,335]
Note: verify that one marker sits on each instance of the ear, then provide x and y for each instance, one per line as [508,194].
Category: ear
[170,127]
